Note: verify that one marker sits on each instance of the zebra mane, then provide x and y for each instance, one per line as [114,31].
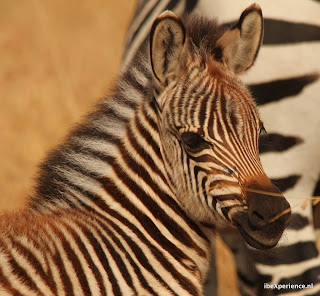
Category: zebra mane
[204,34]
[83,156]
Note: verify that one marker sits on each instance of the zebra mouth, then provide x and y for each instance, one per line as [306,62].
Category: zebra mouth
[263,238]
[256,243]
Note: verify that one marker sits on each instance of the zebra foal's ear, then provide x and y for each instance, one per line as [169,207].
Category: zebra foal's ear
[167,38]
[240,44]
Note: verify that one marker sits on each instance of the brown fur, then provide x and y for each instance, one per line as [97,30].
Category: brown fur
[36,79]
[204,33]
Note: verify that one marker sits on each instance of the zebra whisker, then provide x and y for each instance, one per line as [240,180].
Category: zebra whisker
[316,199]
[276,217]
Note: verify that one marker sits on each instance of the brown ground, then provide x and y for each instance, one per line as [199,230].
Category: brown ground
[56,58]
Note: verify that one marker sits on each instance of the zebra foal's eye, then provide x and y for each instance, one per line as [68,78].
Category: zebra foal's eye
[192,140]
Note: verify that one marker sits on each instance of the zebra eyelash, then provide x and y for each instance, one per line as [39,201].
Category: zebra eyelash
[193,141]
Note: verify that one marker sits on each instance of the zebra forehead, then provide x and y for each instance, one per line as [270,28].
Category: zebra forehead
[203,93]
[202,114]
[204,34]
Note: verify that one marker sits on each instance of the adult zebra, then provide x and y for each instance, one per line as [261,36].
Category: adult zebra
[286,86]
[127,204]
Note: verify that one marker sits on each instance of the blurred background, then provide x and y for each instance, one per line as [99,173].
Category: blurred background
[56,59]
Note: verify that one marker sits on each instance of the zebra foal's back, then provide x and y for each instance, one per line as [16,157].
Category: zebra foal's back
[126,205]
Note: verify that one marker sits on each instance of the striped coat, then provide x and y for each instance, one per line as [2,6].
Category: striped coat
[126,205]
[285,84]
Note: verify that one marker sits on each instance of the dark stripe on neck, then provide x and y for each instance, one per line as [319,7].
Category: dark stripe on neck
[290,254]
[268,92]
[316,207]
[277,143]
[283,32]
[25,252]
[87,255]
[298,222]
[153,207]
[311,276]
[7,284]
[115,255]
[286,183]
[72,257]
[58,261]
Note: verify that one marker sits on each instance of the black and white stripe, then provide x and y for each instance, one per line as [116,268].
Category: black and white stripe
[285,85]
[127,203]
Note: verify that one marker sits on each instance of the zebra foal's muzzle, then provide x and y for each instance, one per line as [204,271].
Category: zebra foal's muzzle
[267,215]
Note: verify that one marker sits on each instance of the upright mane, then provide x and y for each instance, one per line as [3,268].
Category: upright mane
[204,33]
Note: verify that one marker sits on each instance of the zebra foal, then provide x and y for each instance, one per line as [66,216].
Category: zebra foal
[127,205]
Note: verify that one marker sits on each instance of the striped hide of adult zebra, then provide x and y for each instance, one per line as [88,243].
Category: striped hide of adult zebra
[128,203]
[285,84]
[286,90]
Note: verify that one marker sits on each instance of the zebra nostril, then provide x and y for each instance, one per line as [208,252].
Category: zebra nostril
[266,209]
[255,213]
[256,219]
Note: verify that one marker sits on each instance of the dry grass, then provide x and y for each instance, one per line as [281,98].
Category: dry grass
[56,58]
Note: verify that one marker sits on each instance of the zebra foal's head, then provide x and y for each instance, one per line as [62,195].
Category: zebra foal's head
[209,124]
